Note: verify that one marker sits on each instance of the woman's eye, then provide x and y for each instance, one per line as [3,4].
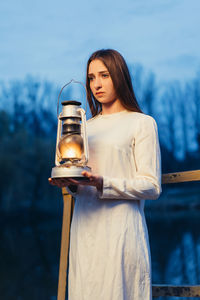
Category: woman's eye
[90,78]
[105,75]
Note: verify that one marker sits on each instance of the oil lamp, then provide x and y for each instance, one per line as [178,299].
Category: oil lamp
[71,144]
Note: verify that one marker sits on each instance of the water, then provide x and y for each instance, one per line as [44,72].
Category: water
[29,258]
[30,249]
[175,248]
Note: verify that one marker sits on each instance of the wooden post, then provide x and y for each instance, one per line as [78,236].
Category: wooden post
[68,205]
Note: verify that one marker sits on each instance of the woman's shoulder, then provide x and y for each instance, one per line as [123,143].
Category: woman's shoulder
[141,123]
[141,117]
[129,117]
[92,119]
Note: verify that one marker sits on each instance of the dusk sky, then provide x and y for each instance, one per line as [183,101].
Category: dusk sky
[53,39]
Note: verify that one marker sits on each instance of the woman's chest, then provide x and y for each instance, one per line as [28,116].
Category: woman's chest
[109,136]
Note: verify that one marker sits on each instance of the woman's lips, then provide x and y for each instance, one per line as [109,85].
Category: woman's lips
[99,93]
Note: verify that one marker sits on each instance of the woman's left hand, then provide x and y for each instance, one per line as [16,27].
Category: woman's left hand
[94,180]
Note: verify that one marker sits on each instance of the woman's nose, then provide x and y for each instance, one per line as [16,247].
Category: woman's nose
[97,83]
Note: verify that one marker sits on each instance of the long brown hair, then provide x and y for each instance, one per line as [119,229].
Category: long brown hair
[120,76]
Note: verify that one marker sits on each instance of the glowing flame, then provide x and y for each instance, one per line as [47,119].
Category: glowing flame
[70,151]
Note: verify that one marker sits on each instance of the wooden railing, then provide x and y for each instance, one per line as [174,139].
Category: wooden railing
[158,290]
[181,290]
[176,290]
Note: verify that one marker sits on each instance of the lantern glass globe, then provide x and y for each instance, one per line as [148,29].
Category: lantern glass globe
[71,147]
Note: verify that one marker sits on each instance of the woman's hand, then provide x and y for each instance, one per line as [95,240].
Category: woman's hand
[94,180]
[62,182]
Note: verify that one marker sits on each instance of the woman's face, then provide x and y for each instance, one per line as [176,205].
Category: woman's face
[101,83]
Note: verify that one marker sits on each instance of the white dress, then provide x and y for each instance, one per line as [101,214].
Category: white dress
[109,247]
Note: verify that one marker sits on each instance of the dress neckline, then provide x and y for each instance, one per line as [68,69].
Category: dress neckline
[113,114]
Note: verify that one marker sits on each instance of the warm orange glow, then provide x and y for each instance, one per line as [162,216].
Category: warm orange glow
[70,151]
[71,147]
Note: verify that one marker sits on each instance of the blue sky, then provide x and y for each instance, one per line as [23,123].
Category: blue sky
[53,39]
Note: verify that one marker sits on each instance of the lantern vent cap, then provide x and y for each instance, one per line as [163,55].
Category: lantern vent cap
[71,102]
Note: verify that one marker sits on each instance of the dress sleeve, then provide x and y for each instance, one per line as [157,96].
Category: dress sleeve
[146,184]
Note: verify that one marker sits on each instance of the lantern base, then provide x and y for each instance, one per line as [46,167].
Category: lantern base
[71,172]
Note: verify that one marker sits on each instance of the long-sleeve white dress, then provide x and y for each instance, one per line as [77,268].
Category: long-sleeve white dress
[109,247]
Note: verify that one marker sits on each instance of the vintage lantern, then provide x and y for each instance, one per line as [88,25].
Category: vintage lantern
[71,145]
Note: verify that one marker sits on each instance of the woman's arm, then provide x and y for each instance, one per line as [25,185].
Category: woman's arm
[146,183]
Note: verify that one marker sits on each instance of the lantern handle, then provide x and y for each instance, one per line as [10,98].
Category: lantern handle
[74,81]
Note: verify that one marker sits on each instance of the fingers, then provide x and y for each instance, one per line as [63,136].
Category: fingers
[73,181]
[88,175]
[52,182]
[60,182]
[93,179]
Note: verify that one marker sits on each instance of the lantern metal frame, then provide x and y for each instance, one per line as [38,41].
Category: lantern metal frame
[71,169]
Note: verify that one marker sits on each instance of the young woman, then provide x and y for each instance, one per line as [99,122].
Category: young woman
[109,247]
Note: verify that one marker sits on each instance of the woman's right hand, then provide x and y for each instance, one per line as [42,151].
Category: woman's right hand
[62,182]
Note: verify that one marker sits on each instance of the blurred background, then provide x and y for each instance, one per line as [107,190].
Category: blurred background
[43,46]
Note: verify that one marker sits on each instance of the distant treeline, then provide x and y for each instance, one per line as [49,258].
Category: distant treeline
[28,126]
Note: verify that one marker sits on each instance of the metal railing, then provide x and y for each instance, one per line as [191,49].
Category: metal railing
[157,290]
